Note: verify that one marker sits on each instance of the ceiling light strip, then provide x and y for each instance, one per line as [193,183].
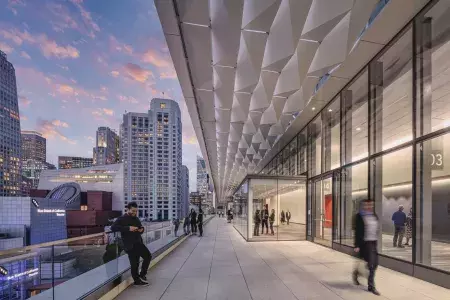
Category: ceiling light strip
[195,24]
[255,31]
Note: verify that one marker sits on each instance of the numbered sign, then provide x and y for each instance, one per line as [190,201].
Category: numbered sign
[437,160]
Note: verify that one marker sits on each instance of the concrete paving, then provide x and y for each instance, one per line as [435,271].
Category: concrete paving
[221,265]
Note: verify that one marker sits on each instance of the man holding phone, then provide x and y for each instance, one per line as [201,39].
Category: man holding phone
[131,230]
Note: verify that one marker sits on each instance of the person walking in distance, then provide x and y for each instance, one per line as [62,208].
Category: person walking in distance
[366,227]
[409,225]
[288,216]
[200,222]
[399,220]
[265,219]
[176,223]
[187,225]
[271,221]
[131,229]
[257,220]
[193,221]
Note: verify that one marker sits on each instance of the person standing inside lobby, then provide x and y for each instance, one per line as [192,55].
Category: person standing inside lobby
[271,221]
[399,219]
[257,221]
[265,219]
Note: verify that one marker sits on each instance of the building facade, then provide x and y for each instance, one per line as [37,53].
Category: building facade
[106,150]
[202,176]
[151,149]
[184,190]
[10,138]
[34,146]
[73,162]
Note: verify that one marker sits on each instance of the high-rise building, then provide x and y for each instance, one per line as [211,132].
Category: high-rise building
[106,150]
[73,162]
[184,190]
[151,155]
[34,146]
[10,139]
[202,176]
[32,169]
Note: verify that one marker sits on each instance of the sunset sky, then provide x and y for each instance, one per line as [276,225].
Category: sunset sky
[82,64]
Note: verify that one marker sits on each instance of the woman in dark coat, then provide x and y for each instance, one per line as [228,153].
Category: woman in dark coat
[366,236]
[283,217]
[193,221]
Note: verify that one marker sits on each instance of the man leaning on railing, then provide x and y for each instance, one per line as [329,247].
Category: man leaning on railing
[131,229]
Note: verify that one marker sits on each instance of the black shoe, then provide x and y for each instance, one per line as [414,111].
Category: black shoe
[141,283]
[143,279]
[401,246]
[374,291]
[355,279]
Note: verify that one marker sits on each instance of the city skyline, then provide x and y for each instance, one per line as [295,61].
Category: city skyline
[79,67]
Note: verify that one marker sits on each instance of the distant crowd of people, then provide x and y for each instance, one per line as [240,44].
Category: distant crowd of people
[193,222]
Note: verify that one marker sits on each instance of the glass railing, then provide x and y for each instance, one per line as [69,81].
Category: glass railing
[74,268]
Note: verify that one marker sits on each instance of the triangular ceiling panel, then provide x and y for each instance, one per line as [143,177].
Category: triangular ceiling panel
[333,49]
[323,16]
[249,60]
[259,14]
[226,19]
[285,33]
[223,87]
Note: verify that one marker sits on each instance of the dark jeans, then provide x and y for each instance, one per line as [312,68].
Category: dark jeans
[398,235]
[176,229]
[265,223]
[271,228]
[187,228]
[193,227]
[256,230]
[370,255]
[200,228]
[287,221]
[138,251]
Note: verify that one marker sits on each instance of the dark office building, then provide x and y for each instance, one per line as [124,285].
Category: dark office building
[10,140]
[72,162]
[34,146]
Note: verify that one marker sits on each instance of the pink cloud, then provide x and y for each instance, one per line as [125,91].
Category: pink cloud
[6,48]
[127,99]
[115,45]
[49,48]
[155,58]
[50,129]
[62,18]
[171,74]
[25,55]
[108,111]
[115,73]
[24,101]
[87,18]
[12,4]
[137,73]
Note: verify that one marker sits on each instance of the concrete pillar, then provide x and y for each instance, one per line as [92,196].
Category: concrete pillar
[250,210]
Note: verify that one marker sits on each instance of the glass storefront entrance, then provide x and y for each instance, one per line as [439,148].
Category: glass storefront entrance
[323,213]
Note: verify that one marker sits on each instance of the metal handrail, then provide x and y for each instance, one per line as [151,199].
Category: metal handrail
[65,241]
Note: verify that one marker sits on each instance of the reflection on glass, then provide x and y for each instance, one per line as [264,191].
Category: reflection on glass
[331,120]
[433,63]
[263,198]
[315,146]
[240,209]
[433,228]
[286,154]
[323,211]
[391,86]
[302,152]
[355,120]
[354,181]
[292,205]
[391,177]
[293,158]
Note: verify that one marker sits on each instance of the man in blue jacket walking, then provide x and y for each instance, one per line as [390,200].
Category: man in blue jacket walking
[399,219]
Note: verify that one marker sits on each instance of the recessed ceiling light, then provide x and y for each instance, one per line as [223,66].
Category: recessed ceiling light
[313,108]
[358,128]
[330,110]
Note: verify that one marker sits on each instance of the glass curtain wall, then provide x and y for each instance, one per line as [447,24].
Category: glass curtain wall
[386,136]
[240,209]
[277,209]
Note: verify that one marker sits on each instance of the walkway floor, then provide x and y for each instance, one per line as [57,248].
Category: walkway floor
[221,265]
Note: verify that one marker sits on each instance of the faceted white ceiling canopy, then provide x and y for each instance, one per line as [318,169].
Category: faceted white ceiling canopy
[248,68]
